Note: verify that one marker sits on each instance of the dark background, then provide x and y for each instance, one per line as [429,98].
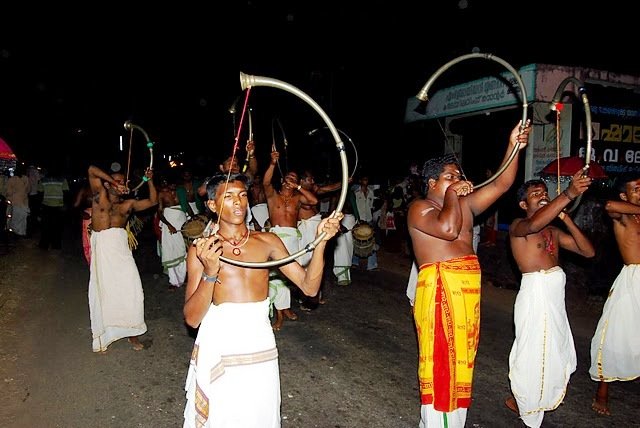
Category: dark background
[70,77]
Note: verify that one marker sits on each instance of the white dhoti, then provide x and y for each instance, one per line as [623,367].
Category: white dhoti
[615,346]
[116,299]
[234,379]
[412,284]
[308,230]
[432,418]
[279,292]
[18,220]
[343,252]
[543,355]
[173,249]
[260,213]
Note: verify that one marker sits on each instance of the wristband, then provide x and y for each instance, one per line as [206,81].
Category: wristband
[208,278]
[564,192]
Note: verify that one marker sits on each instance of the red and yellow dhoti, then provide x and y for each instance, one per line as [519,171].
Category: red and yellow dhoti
[447,317]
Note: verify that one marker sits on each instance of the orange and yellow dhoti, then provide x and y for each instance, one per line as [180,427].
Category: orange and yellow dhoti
[447,318]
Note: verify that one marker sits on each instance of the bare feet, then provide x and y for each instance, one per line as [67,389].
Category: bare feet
[600,406]
[512,405]
[277,325]
[290,314]
[136,344]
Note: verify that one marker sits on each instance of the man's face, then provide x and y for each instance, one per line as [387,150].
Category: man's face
[450,174]
[537,197]
[119,179]
[632,192]
[231,164]
[308,182]
[231,202]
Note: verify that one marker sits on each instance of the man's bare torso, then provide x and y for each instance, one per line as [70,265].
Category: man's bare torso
[108,213]
[627,232]
[430,249]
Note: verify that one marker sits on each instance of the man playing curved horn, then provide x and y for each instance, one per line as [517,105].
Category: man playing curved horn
[235,358]
[284,205]
[447,300]
[116,298]
[615,346]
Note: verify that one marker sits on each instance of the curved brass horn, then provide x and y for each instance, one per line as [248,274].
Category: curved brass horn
[587,112]
[130,126]
[247,81]
[424,97]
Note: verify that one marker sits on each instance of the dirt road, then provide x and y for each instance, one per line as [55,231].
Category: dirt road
[349,364]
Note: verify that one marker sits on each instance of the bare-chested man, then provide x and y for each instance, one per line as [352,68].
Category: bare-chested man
[116,299]
[447,300]
[615,346]
[173,250]
[284,205]
[308,218]
[543,354]
[235,350]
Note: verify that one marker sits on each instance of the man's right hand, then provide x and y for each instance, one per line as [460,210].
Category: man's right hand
[462,187]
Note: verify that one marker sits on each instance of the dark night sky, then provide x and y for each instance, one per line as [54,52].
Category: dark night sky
[175,72]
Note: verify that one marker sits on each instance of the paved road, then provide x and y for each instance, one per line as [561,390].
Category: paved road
[349,364]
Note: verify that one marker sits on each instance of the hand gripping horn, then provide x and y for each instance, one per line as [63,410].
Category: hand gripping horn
[247,81]
[587,112]
[130,126]
[424,97]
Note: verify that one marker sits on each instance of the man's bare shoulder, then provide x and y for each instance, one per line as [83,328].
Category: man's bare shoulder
[421,207]
[515,224]
[265,237]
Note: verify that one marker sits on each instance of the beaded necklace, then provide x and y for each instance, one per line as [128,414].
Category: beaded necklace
[236,244]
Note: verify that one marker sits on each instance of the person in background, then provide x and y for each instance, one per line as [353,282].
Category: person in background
[116,298]
[54,189]
[364,200]
[34,199]
[17,191]
[615,346]
[84,201]
[543,354]
[188,195]
[446,309]
[343,252]
[284,205]
[308,219]
[173,250]
[258,204]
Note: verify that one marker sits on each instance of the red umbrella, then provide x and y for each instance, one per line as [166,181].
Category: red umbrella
[570,165]
[5,151]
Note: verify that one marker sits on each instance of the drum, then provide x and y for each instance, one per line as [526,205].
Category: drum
[363,240]
[194,228]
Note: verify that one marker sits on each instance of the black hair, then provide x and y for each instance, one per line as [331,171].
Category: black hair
[521,194]
[624,178]
[214,182]
[434,166]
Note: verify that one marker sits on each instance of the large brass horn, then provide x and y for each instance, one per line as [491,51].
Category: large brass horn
[130,126]
[248,81]
[557,97]
[424,97]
